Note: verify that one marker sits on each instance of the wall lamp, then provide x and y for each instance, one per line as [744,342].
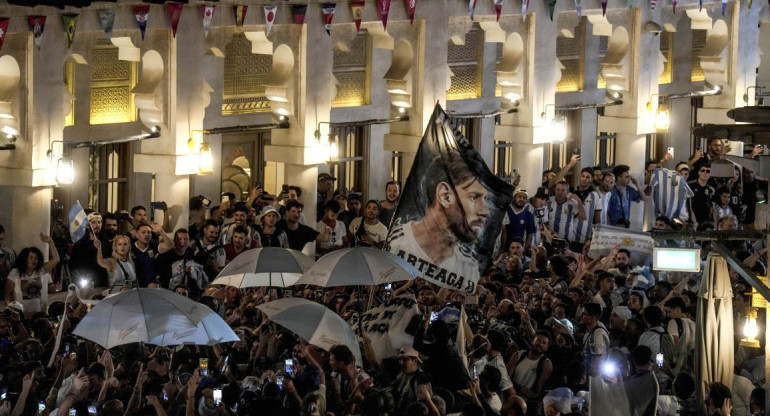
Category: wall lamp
[11,145]
[557,131]
[758,95]
[661,119]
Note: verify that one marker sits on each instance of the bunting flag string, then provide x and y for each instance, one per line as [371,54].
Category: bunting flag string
[269,17]
[107,20]
[700,5]
[498,8]
[383,6]
[551,8]
[357,8]
[240,16]
[724,7]
[471,8]
[328,11]
[653,3]
[208,15]
[524,7]
[411,6]
[174,14]
[673,4]
[36,25]
[750,4]
[142,12]
[298,12]
[604,7]
[70,23]
[579,8]
[3,30]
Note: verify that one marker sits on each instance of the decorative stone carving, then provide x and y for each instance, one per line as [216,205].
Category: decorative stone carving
[145,97]
[614,66]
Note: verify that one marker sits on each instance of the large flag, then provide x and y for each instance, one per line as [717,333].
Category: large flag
[70,23]
[142,12]
[107,20]
[37,25]
[357,7]
[605,237]
[624,398]
[383,6]
[208,15]
[174,14]
[298,12]
[411,7]
[451,211]
[270,17]
[328,11]
[385,325]
[3,30]
[78,222]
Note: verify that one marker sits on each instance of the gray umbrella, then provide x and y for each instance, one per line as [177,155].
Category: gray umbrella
[264,267]
[714,347]
[360,266]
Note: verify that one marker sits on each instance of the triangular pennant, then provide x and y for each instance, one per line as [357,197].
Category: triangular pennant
[579,7]
[604,7]
[240,16]
[411,7]
[70,23]
[141,13]
[36,25]
[3,30]
[498,8]
[174,13]
[269,17]
[383,6]
[298,13]
[724,7]
[357,8]
[328,11]
[107,20]
[551,7]
[471,8]
[673,5]
[630,4]
[653,3]
[750,4]
[208,15]
[700,5]
[524,6]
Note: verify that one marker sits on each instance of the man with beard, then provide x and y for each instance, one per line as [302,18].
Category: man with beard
[208,252]
[177,267]
[622,260]
[520,220]
[82,262]
[714,151]
[388,206]
[240,215]
[143,254]
[108,234]
[598,173]
[564,208]
[531,369]
[440,244]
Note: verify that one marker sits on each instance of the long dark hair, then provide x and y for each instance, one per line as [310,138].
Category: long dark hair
[21,261]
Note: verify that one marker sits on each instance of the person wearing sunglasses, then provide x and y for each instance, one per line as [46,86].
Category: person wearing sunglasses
[700,203]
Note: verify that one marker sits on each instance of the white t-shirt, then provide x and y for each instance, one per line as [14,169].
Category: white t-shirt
[31,291]
[377,232]
[338,234]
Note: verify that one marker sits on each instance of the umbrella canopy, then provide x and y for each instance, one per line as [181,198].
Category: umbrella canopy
[140,315]
[315,323]
[359,266]
[211,330]
[714,348]
[264,267]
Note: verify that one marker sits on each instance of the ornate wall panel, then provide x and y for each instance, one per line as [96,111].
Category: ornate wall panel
[111,84]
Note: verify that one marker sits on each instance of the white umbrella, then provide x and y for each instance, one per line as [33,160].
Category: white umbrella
[315,323]
[140,315]
[264,267]
[359,266]
[211,330]
[714,349]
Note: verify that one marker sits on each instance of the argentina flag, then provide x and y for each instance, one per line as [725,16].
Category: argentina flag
[78,222]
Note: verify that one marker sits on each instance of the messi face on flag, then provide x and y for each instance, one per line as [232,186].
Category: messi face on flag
[451,210]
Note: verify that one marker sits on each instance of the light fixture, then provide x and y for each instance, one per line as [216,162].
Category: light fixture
[750,330]
[613,95]
[334,150]
[65,171]
[661,119]
[484,115]
[205,160]
[557,130]
[758,95]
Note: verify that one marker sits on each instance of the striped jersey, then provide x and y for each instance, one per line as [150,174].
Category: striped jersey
[584,229]
[562,217]
[669,193]
[720,211]
[603,199]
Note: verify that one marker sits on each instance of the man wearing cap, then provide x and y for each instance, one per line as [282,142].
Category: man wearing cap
[270,235]
[411,382]
[618,318]
[519,222]
[325,186]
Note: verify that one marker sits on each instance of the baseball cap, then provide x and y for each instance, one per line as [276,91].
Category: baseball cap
[566,324]
[354,196]
[94,215]
[409,351]
[622,312]
[542,193]
[682,165]
[326,176]
[521,191]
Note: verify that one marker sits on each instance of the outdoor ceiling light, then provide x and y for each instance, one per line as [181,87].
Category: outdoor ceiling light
[205,160]
[65,171]
[661,119]
[557,130]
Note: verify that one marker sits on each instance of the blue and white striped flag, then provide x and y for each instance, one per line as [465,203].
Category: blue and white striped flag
[78,222]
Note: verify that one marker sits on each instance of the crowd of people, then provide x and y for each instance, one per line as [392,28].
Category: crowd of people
[545,318]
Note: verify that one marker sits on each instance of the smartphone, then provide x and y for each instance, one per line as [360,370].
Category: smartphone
[257,185]
[205,201]
[433,317]
[66,349]
[225,198]
[474,373]
[41,406]
[164,395]
[91,410]
[285,189]
[224,364]
[217,397]
[576,151]
[203,364]
[73,412]
[279,382]
[159,205]
[698,149]
[389,286]
[670,151]
[659,359]
[288,363]
[4,394]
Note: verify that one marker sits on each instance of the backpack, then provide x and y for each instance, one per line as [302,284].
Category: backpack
[540,362]
[667,347]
